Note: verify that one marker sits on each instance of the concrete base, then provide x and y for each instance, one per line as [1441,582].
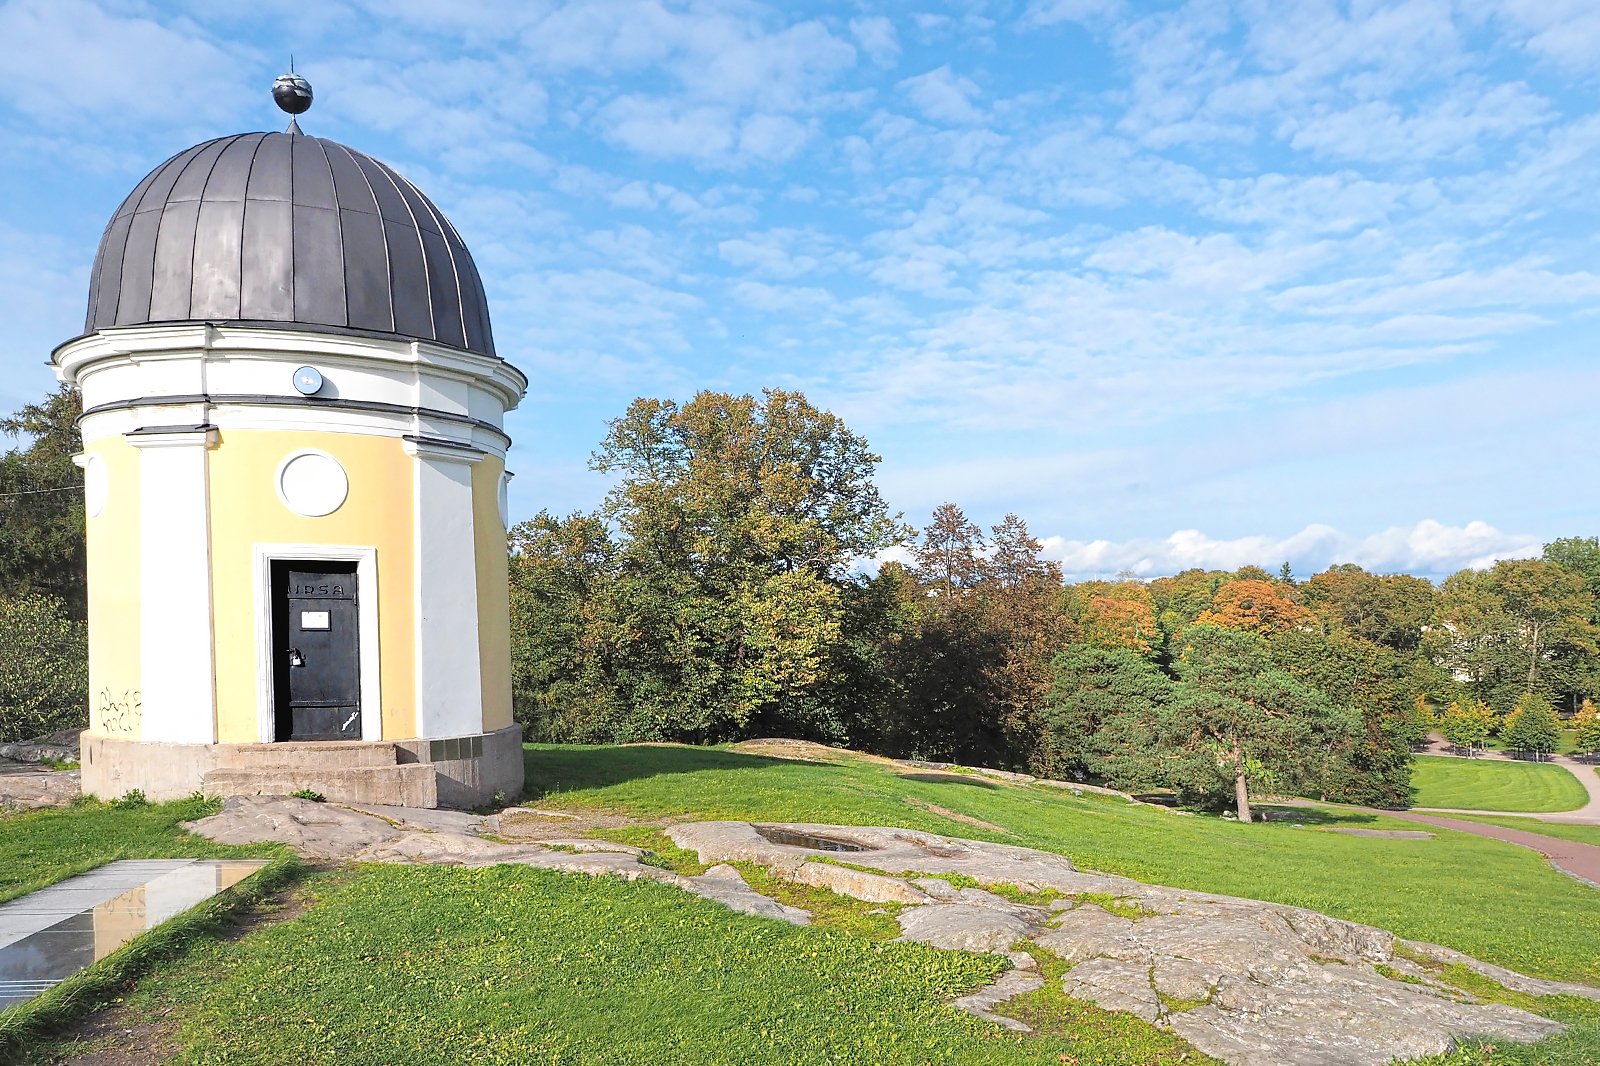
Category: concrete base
[461,772]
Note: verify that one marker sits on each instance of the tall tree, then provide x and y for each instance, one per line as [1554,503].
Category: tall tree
[1523,625]
[1391,610]
[1532,726]
[1237,720]
[1378,686]
[950,557]
[41,503]
[719,603]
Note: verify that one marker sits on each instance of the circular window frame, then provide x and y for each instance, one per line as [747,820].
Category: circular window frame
[302,453]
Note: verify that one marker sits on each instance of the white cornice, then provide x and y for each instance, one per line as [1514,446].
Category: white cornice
[187,340]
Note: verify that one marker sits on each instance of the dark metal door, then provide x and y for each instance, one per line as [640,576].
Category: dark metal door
[317,648]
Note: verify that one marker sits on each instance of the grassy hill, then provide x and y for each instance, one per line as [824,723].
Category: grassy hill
[508,964]
[1501,903]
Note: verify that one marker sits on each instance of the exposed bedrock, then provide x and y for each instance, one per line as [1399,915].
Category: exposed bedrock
[1253,983]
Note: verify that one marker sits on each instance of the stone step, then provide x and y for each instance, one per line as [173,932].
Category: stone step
[406,785]
[307,755]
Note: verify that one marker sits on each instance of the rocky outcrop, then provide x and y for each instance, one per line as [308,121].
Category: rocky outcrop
[26,787]
[1253,983]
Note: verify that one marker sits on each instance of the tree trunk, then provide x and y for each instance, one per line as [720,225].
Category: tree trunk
[1241,797]
[1533,658]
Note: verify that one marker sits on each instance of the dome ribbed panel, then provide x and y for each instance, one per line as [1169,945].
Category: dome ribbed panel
[290,230]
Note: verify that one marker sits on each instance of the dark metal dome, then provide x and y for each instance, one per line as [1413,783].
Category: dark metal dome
[287,230]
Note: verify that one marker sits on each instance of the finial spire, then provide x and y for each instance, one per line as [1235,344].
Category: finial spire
[293,94]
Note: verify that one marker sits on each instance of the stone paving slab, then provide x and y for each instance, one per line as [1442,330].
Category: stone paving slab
[49,935]
[39,910]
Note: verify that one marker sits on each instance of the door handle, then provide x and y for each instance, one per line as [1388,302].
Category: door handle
[295,658]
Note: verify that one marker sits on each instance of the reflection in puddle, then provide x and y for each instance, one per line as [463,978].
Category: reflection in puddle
[808,840]
[49,935]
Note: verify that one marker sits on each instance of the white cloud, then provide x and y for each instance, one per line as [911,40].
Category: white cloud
[877,38]
[1429,548]
[1053,12]
[68,60]
[944,96]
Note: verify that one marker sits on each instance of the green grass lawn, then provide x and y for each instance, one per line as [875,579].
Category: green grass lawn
[39,848]
[508,964]
[1495,785]
[513,965]
[1498,902]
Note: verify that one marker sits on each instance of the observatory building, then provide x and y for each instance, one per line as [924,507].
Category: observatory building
[294,474]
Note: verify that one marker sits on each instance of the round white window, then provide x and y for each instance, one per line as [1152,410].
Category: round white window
[312,484]
[96,486]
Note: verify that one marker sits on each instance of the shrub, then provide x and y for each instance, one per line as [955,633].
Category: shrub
[44,668]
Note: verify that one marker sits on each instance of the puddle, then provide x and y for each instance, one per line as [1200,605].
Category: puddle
[809,840]
[49,935]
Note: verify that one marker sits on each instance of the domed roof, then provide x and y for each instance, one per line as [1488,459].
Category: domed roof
[291,231]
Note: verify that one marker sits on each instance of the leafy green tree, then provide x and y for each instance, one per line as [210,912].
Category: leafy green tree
[1521,626]
[1533,726]
[710,599]
[44,668]
[1391,610]
[41,503]
[1101,713]
[562,574]
[1376,683]
[1586,726]
[1468,723]
[1237,720]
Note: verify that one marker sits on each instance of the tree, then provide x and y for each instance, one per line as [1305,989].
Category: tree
[711,597]
[1468,723]
[44,668]
[949,558]
[1255,605]
[989,623]
[1237,720]
[41,503]
[1116,615]
[1533,726]
[1377,684]
[1101,715]
[1586,724]
[1521,626]
[1391,610]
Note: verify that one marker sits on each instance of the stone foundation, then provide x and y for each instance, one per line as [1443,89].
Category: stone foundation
[461,772]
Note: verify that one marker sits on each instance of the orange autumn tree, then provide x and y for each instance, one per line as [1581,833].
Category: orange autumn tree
[1255,606]
[1117,616]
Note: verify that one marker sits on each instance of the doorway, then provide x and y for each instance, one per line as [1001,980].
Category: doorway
[316,650]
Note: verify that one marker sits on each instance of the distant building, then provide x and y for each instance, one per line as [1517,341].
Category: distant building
[294,468]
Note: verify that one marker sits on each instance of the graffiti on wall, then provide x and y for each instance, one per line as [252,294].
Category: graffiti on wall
[118,715]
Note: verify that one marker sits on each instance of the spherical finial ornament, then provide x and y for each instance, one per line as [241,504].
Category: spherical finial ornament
[293,93]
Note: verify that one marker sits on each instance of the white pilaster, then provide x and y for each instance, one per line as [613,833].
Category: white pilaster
[449,683]
[177,661]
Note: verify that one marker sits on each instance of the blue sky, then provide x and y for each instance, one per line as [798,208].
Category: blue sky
[1181,284]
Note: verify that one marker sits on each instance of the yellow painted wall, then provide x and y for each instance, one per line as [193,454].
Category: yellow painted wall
[494,634]
[246,510]
[113,572]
